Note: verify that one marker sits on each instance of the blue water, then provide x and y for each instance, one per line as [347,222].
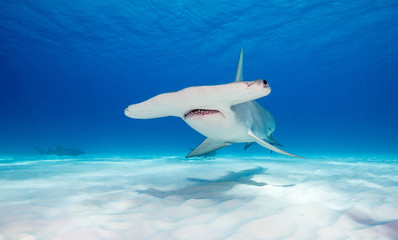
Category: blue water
[69,68]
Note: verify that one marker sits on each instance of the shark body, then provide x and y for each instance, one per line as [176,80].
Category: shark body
[60,151]
[225,114]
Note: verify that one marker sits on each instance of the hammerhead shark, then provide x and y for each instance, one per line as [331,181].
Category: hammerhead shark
[225,114]
[60,151]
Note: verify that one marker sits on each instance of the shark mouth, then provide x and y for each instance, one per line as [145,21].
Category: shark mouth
[200,112]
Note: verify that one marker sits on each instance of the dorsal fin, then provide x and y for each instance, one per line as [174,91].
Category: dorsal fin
[239,69]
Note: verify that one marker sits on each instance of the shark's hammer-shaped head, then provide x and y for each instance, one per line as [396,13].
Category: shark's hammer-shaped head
[202,100]
[222,97]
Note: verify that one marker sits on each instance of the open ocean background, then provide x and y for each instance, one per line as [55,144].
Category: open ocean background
[68,69]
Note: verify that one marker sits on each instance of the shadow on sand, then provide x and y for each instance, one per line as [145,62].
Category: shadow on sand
[212,189]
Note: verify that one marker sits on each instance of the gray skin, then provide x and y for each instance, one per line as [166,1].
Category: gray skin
[255,118]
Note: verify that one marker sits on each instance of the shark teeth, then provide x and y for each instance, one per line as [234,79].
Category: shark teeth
[199,112]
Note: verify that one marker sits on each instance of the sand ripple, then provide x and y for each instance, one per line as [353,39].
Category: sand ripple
[227,198]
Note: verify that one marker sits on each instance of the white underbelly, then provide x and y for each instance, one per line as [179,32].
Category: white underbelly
[219,126]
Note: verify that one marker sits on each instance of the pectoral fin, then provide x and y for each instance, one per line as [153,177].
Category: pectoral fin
[269,146]
[207,146]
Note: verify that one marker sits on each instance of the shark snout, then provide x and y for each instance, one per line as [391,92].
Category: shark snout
[126,112]
[263,85]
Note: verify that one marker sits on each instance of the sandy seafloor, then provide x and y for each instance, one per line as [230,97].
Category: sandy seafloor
[215,198]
